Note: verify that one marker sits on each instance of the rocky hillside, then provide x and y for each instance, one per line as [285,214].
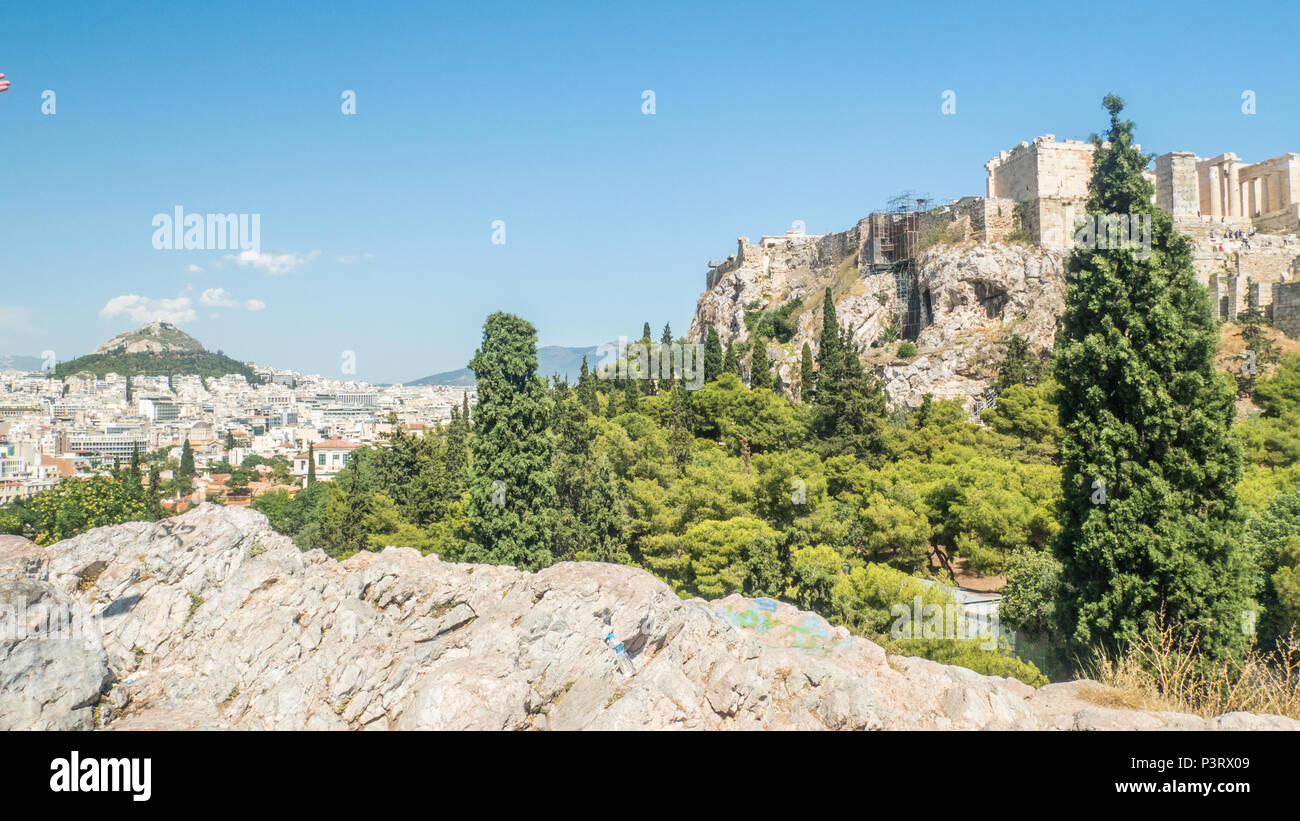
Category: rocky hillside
[968,297]
[211,620]
[156,337]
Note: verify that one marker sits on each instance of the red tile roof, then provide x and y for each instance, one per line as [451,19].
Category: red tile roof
[336,444]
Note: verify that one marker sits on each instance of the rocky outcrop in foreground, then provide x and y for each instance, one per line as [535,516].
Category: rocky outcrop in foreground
[212,620]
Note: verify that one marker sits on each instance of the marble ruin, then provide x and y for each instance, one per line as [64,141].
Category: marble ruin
[1242,219]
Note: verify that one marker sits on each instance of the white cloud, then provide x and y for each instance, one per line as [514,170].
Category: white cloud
[221,298]
[195,269]
[348,259]
[218,298]
[141,309]
[274,264]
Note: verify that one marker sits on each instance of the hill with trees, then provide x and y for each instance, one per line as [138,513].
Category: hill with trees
[157,349]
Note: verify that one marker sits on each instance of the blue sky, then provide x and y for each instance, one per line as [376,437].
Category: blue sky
[467,113]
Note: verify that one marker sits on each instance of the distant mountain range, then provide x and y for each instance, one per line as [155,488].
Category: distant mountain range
[20,363]
[551,360]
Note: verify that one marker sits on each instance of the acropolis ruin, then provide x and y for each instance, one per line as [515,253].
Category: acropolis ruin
[1242,219]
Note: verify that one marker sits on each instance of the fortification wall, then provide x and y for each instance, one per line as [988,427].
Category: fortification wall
[1176,187]
[1286,308]
[1014,174]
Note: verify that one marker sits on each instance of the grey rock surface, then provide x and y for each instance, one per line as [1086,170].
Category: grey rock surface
[212,620]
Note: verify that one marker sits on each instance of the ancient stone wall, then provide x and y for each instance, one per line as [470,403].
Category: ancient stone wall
[1176,190]
[1286,308]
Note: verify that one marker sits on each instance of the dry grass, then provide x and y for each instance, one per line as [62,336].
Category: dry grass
[1159,673]
[1231,346]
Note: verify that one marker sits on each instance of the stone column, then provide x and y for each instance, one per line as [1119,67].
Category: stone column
[1279,191]
[1234,191]
[1216,207]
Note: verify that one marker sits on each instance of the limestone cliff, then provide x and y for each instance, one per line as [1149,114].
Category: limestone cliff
[957,303]
[211,620]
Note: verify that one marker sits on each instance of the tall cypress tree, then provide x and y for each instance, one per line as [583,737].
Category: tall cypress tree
[153,496]
[512,501]
[456,454]
[849,413]
[187,458]
[680,434]
[807,376]
[828,347]
[587,388]
[1260,351]
[311,463]
[760,367]
[665,344]
[591,525]
[731,362]
[712,355]
[631,396]
[1149,465]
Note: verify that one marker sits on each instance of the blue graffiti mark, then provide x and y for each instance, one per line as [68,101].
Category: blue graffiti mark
[814,635]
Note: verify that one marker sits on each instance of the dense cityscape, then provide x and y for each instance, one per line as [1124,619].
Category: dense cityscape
[82,425]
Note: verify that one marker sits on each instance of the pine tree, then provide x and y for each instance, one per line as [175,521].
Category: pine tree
[645,334]
[713,362]
[1149,465]
[807,376]
[731,362]
[760,367]
[512,500]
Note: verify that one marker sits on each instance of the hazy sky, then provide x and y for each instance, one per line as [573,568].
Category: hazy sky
[377,227]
